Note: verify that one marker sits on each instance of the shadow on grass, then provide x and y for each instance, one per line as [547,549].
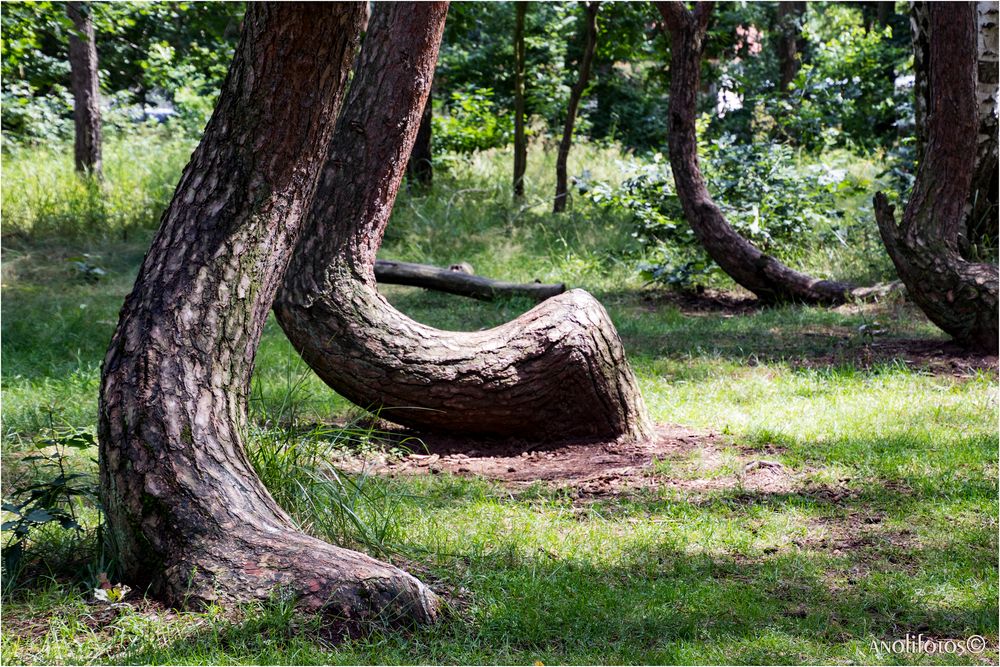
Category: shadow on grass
[663,606]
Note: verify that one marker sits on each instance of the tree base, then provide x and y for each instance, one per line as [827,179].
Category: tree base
[321,578]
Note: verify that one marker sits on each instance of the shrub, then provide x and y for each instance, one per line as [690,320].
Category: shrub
[469,122]
[767,195]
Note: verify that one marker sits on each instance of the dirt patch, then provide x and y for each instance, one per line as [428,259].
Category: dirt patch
[678,458]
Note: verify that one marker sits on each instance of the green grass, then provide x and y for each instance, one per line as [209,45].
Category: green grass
[890,526]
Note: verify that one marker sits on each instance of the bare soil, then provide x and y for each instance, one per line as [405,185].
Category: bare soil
[595,469]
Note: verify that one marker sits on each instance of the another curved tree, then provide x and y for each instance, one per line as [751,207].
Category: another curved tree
[575,95]
[760,273]
[86,89]
[957,295]
[186,513]
[558,371]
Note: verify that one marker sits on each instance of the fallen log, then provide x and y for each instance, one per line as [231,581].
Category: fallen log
[459,279]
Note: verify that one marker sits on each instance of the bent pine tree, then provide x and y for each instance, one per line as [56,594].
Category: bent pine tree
[188,517]
[556,372]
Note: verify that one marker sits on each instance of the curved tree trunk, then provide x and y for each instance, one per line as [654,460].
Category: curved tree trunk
[957,295]
[575,94]
[188,516]
[86,89]
[558,371]
[520,139]
[762,274]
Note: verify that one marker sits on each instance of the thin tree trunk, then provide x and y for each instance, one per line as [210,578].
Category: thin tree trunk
[558,371]
[920,38]
[420,168]
[575,94]
[981,228]
[188,517]
[957,295]
[520,138]
[762,274]
[876,13]
[790,15]
[86,89]
[885,11]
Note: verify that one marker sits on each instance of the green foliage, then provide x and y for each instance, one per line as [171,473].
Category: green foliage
[177,51]
[768,195]
[470,122]
[845,93]
[52,496]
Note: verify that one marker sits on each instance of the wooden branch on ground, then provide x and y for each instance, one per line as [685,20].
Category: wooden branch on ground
[458,279]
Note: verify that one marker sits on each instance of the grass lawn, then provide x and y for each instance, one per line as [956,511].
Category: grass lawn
[818,489]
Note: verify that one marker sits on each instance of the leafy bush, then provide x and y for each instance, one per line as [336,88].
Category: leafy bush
[764,192]
[845,93]
[470,123]
[29,117]
[53,497]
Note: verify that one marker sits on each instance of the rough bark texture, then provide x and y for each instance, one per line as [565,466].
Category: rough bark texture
[86,89]
[575,94]
[957,295]
[557,371]
[420,168]
[920,38]
[982,229]
[188,516]
[520,138]
[762,274]
[790,43]
[456,280]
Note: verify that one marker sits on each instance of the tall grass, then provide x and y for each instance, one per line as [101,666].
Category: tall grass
[44,198]
[348,509]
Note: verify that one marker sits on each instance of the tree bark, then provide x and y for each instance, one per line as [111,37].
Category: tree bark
[457,281]
[188,517]
[790,15]
[876,13]
[86,89]
[920,38]
[981,228]
[575,94]
[957,295]
[520,138]
[762,274]
[420,167]
[556,372]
